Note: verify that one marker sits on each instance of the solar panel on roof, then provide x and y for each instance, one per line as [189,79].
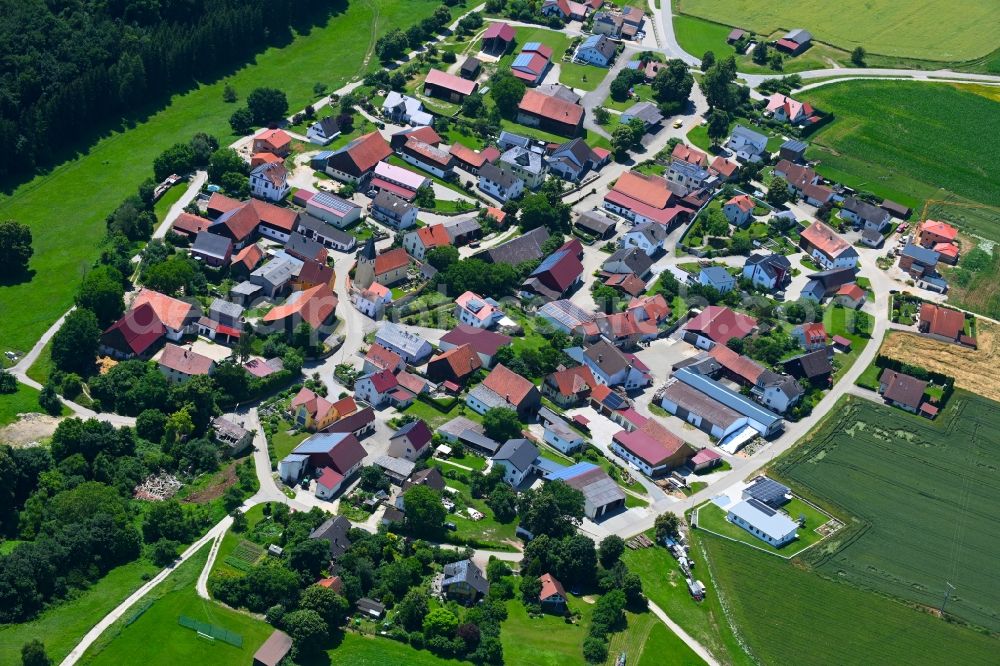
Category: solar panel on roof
[614,401]
[522,60]
[532,46]
[767,491]
[760,506]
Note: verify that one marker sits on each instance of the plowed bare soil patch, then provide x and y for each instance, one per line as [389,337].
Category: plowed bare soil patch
[975,370]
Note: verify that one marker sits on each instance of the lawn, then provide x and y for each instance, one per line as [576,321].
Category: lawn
[487,532]
[153,636]
[912,533]
[842,321]
[437,417]
[112,168]
[659,646]
[545,641]
[282,442]
[22,402]
[664,584]
[62,627]
[40,369]
[230,548]
[169,198]
[787,614]
[696,36]
[887,138]
[358,650]
[713,518]
[932,29]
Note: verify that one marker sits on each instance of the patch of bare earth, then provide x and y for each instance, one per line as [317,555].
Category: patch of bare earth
[222,481]
[975,370]
[28,429]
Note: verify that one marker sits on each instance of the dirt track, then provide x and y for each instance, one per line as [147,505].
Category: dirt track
[976,370]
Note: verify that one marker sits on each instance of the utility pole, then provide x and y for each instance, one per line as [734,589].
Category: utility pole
[949,588]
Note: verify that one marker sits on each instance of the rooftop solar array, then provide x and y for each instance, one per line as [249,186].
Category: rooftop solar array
[767,491]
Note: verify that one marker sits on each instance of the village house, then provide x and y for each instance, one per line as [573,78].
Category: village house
[687,176]
[629,260]
[179,364]
[212,250]
[558,433]
[403,109]
[606,23]
[274,141]
[739,210]
[500,183]
[372,300]
[379,358]
[466,158]
[323,131]
[474,310]
[354,162]
[550,113]
[718,278]
[640,198]
[803,182]
[942,323]
[652,448]
[413,348]
[810,336]
[596,50]
[398,181]
[421,241]
[532,63]
[717,325]
[902,390]
[484,343]
[464,582]
[454,365]
[448,86]
[375,388]
[648,237]
[393,211]
[270,182]
[611,366]
[525,247]
[326,234]
[410,442]
[827,283]
[505,388]
[574,159]
[552,597]
[646,112]
[814,366]
[597,224]
[315,306]
[558,273]
[827,248]
[918,261]
[787,110]
[517,459]
[769,271]
[747,145]
[527,165]
[865,215]
[850,296]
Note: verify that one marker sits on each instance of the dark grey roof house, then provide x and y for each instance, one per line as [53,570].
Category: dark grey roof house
[526,247]
[334,531]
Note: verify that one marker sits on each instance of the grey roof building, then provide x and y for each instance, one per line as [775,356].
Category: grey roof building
[225,312]
[212,246]
[304,248]
[596,223]
[327,234]
[768,491]
[275,274]
[628,260]
[505,178]
[411,346]
[518,452]
[524,160]
[334,531]
[526,247]
[467,573]
[647,112]
[509,139]
[732,400]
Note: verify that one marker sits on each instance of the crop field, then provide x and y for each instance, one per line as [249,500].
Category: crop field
[924,29]
[973,369]
[66,207]
[911,142]
[789,616]
[924,497]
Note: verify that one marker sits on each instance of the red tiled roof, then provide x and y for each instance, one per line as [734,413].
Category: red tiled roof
[508,384]
[815,332]
[497,214]
[345,406]
[368,150]
[686,153]
[483,341]
[573,381]
[249,256]
[314,305]
[329,478]
[942,321]
[185,361]
[723,167]
[550,587]
[424,133]
[628,283]
[937,228]
[412,383]
[427,153]
[704,456]
[491,153]
[552,108]
[655,306]
[440,79]
[463,360]
[665,216]
[264,158]
[501,30]
[241,222]
[852,291]
[902,388]
[720,324]
[467,155]
[278,139]
[432,236]
[947,249]
[398,190]
[333,582]
[171,311]
[139,329]
[220,203]
[741,366]
[646,446]
[274,216]
[384,381]
[313,272]
[190,224]
[650,190]
[741,201]
[382,358]
[391,260]
[825,239]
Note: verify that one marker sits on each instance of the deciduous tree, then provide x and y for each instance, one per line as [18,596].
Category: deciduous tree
[15,247]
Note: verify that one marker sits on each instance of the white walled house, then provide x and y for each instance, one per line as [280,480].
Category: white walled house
[501,184]
[269,181]
[648,237]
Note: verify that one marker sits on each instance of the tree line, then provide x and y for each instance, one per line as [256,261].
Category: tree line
[69,66]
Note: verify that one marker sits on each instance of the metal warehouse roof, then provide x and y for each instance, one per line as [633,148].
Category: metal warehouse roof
[772,523]
[729,398]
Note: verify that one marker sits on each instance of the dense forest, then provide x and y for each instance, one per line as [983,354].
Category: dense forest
[70,65]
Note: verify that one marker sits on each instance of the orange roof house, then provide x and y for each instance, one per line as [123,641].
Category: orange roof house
[314,306]
[273,141]
[175,314]
[649,190]
[264,158]
[454,365]
[827,241]
[390,261]
[686,153]
[932,232]
[941,322]
[248,258]
[549,112]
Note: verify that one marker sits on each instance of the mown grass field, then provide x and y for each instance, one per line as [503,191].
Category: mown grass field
[696,36]
[926,29]
[155,637]
[22,402]
[925,497]
[911,142]
[713,518]
[545,641]
[664,584]
[62,627]
[790,616]
[66,207]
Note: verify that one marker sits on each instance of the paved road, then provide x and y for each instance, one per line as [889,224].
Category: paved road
[596,97]
[197,181]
